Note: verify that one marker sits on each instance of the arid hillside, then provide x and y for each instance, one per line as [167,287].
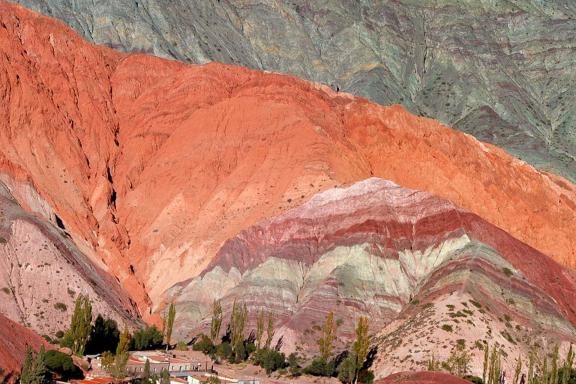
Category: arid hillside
[151,165]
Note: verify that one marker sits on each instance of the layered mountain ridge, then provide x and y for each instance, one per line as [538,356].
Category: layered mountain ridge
[501,71]
[394,255]
[147,181]
[152,164]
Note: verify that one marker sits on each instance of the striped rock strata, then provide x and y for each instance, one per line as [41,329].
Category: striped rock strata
[152,165]
[393,254]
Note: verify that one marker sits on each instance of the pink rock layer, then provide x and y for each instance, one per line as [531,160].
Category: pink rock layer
[370,250]
[152,165]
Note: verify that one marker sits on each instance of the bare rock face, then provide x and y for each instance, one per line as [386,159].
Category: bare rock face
[13,341]
[500,71]
[409,261]
[152,165]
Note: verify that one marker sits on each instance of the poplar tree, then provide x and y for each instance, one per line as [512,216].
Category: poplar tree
[494,366]
[518,370]
[530,376]
[270,330]
[81,325]
[169,324]
[216,320]
[122,355]
[237,324]
[568,364]
[259,328]
[326,341]
[553,377]
[361,346]
[146,373]
[486,362]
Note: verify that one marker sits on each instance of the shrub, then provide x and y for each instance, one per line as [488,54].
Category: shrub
[320,367]
[181,346]
[62,365]
[61,307]
[146,339]
[365,376]
[294,364]
[205,345]
[473,379]
[224,350]
[6,290]
[507,271]
[447,327]
[269,359]
[347,370]
[59,334]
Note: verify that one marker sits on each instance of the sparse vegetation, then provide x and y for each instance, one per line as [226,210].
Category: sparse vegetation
[447,327]
[61,307]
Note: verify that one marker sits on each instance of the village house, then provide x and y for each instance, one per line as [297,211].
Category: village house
[177,364]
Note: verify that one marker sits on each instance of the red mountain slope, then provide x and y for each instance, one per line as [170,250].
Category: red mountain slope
[151,165]
[13,341]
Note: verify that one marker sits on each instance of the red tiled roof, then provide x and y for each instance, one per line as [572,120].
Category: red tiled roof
[96,380]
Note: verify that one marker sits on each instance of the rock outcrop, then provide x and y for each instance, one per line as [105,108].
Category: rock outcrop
[152,165]
[500,71]
[408,260]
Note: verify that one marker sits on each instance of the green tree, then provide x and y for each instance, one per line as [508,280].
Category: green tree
[269,359]
[567,366]
[459,360]
[204,344]
[81,325]
[147,338]
[259,328]
[269,331]
[531,363]
[518,370]
[237,325]
[107,361]
[553,377]
[347,370]
[26,370]
[320,367]
[486,362]
[432,364]
[294,364]
[62,365]
[146,379]
[361,346]
[326,340]
[495,366]
[169,324]
[216,321]
[164,377]
[104,336]
[34,369]
[121,358]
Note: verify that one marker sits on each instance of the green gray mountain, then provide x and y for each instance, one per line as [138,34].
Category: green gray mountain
[501,70]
